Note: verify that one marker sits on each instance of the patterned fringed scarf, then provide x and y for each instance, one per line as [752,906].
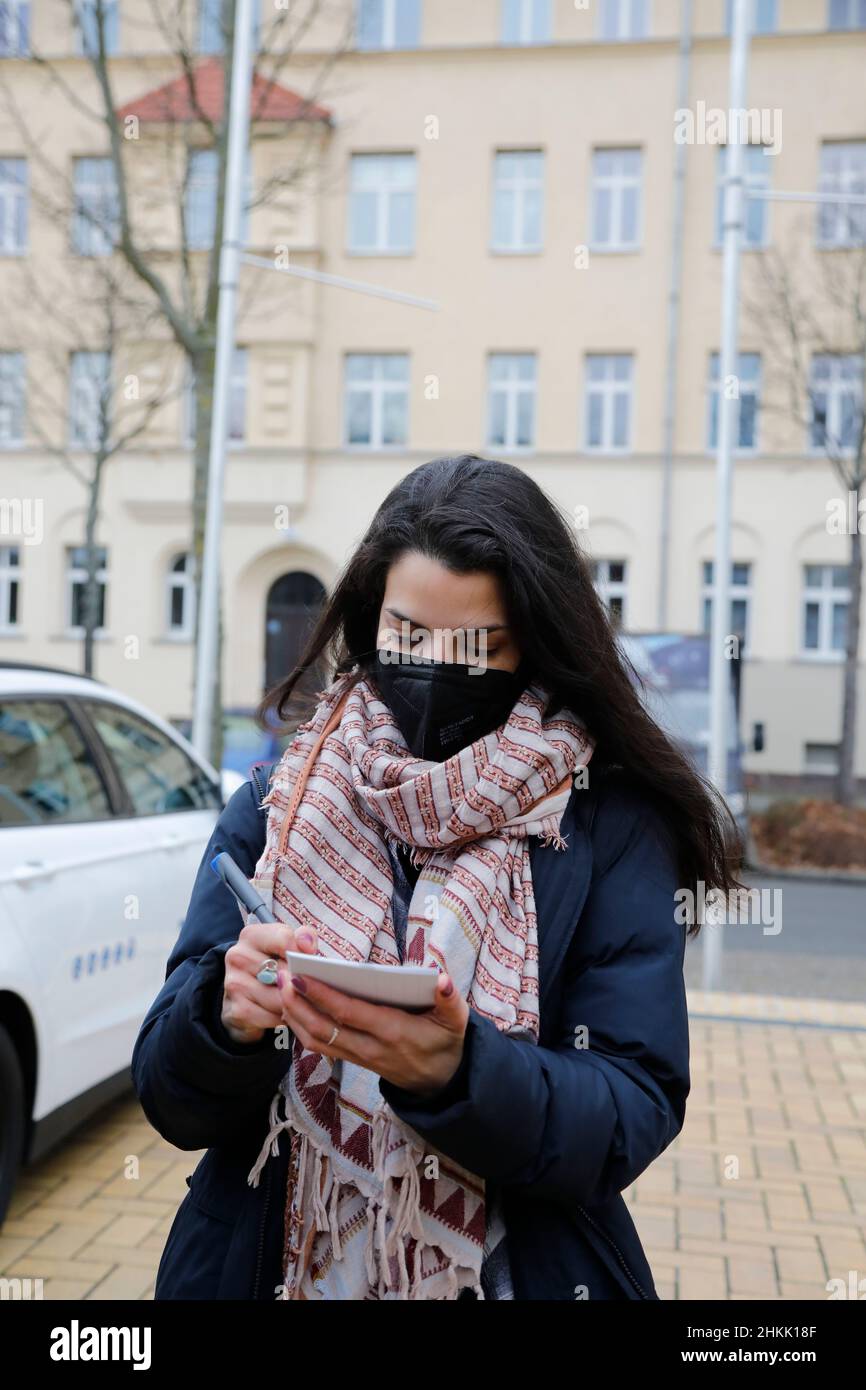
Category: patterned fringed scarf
[373,1211]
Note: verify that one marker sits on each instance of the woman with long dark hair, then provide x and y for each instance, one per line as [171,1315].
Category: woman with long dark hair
[478,789]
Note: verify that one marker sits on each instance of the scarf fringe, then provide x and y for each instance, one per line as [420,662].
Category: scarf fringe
[272,1142]
[390,1222]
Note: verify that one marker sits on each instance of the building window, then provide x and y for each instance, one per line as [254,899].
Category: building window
[76,579]
[200,199]
[237,413]
[741,600]
[763,18]
[826,599]
[843,171]
[14,28]
[609,577]
[211,34]
[748,385]
[13,205]
[87,26]
[180,598]
[382,204]
[756,175]
[377,399]
[836,399]
[821,758]
[11,398]
[526,21]
[511,389]
[388,23]
[608,410]
[518,192]
[10,581]
[95,221]
[623,19]
[616,200]
[89,399]
[847,14]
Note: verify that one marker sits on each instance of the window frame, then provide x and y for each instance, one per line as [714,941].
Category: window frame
[103,575]
[521,248]
[609,390]
[850,26]
[623,14]
[98,239]
[512,389]
[749,181]
[20,11]
[10,576]
[12,198]
[728,18]
[617,184]
[742,593]
[388,42]
[823,597]
[185,581]
[714,391]
[848,185]
[525,22]
[608,588]
[382,194]
[375,447]
[17,441]
[821,450]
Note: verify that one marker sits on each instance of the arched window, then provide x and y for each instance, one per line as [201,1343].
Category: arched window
[180,598]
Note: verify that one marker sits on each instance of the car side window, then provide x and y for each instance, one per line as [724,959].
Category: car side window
[157,774]
[47,775]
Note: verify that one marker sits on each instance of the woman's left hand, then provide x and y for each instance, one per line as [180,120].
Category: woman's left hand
[417,1052]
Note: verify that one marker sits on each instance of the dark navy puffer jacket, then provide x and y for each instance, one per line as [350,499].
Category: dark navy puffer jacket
[560,1128]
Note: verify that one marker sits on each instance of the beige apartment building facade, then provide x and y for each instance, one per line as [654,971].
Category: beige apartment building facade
[515,164]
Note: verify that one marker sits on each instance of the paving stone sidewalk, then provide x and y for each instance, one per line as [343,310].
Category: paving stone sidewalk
[762,1195]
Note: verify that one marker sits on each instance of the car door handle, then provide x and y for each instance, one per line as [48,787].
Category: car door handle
[31,870]
[171,841]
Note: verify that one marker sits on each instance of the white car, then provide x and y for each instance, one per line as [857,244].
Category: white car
[105,811]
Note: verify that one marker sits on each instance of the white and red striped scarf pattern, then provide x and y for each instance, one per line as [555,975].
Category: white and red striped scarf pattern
[373,1211]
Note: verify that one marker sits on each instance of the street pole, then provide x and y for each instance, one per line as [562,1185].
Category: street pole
[674,313]
[720,679]
[207,652]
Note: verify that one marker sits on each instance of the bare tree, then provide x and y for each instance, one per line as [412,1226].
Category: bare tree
[810,312]
[154,162]
[85,417]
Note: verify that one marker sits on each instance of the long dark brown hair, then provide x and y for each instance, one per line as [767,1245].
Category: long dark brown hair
[476,514]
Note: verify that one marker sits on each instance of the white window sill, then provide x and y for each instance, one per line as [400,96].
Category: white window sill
[375,448]
[820,658]
[380,253]
[516,250]
[603,249]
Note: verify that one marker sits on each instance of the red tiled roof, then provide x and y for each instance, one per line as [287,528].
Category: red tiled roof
[174,101]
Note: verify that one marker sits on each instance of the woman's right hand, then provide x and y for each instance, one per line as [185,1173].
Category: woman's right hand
[249,1007]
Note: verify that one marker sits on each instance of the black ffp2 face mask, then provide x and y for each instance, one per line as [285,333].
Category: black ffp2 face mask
[442,706]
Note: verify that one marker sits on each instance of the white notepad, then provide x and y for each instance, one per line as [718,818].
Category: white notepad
[410,987]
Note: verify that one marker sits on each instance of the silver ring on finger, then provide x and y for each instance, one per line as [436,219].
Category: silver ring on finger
[332,1038]
[268,973]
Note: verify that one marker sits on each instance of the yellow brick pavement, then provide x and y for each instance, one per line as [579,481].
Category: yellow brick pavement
[762,1195]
